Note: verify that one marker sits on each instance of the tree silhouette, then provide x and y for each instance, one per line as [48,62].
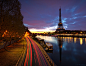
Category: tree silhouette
[11,18]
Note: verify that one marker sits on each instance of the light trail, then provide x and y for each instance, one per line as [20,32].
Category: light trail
[38,52]
[34,55]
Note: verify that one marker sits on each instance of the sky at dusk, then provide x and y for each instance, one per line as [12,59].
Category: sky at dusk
[43,15]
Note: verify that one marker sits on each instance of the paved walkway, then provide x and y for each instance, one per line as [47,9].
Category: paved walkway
[10,55]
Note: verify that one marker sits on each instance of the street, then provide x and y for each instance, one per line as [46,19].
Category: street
[34,56]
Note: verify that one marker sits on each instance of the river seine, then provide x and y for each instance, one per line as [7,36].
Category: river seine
[67,51]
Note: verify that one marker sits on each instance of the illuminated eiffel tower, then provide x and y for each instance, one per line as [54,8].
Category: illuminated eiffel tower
[60,25]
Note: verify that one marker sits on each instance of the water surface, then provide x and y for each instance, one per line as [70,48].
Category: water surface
[67,51]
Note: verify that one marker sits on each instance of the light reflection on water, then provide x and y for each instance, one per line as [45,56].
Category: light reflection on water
[81,41]
[66,39]
[74,40]
[49,39]
[67,51]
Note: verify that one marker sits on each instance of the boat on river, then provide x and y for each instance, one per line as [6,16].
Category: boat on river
[49,47]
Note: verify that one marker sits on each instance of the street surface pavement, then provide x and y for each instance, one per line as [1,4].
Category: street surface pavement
[36,56]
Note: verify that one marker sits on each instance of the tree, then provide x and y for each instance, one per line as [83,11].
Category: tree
[11,18]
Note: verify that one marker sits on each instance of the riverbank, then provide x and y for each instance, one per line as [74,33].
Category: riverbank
[41,42]
[70,35]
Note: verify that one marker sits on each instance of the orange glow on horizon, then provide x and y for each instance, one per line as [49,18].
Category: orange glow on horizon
[36,32]
[41,30]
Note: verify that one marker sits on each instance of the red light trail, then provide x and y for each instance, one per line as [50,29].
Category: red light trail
[34,55]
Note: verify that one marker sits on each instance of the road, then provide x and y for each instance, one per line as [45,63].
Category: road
[34,56]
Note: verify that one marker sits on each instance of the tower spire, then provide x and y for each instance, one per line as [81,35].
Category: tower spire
[60,15]
[60,25]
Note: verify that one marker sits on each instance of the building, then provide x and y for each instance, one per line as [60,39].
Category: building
[60,25]
[61,30]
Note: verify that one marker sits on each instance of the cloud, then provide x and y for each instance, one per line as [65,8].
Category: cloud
[73,9]
[44,14]
[26,25]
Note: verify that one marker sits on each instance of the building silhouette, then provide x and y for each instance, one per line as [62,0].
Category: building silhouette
[60,25]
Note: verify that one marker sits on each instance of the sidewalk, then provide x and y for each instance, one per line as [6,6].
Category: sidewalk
[11,55]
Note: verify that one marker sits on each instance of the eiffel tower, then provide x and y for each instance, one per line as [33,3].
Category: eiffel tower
[60,25]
